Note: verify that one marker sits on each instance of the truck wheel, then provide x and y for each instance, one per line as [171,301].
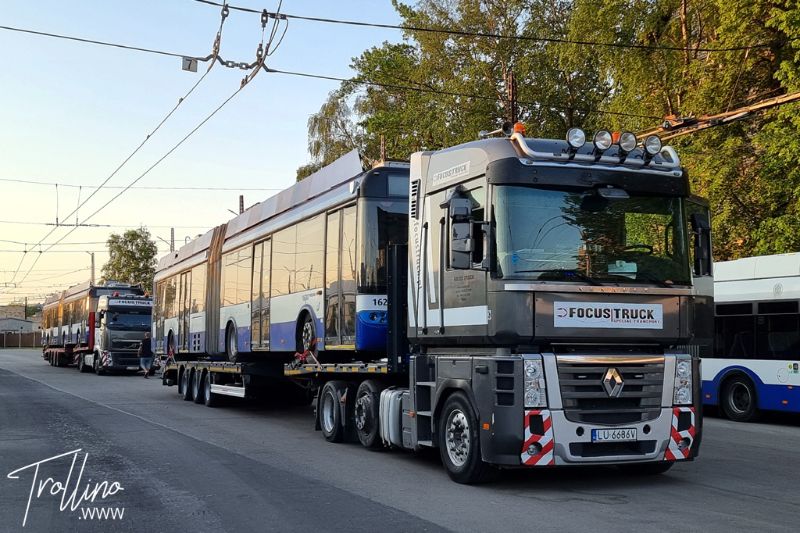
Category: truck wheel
[459,442]
[739,399]
[330,411]
[646,469]
[365,415]
[187,377]
[198,387]
[231,346]
[209,398]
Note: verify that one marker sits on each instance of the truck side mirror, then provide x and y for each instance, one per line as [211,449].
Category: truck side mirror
[701,228]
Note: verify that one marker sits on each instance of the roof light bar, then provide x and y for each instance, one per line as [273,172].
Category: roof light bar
[652,145]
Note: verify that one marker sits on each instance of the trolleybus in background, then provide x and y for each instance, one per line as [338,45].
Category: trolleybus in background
[303,270]
[756,359]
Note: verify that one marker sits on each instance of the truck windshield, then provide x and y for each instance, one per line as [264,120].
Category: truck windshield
[583,236]
[125,319]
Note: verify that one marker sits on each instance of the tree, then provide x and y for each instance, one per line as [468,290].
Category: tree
[132,258]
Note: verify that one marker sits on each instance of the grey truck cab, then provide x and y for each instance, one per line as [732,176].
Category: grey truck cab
[559,294]
[122,321]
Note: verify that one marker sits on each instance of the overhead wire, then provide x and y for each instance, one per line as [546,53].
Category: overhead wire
[465,33]
[214,55]
[261,55]
[140,187]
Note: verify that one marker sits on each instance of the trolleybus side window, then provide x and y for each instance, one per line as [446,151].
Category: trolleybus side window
[198,289]
[310,254]
[283,261]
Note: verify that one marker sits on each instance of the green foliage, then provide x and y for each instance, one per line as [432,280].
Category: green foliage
[132,258]
[748,170]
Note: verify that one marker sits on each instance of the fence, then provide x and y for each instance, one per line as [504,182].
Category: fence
[32,339]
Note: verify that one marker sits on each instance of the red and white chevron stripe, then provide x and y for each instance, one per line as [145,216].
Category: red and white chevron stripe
[545,457]
[674,452]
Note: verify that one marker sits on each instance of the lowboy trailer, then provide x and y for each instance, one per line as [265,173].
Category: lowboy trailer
[549,310]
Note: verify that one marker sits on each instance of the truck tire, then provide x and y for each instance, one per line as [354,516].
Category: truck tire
[198,386]
[187,377]
[739,402]
[459,442]
[181,381]
[366,413]
[210,399]
[330,411]
[646,469]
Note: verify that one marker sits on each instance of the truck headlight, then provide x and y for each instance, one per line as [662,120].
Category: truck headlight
[683,380]
[535,387]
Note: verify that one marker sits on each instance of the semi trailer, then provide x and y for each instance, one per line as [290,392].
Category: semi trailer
[96,327]
[544,303]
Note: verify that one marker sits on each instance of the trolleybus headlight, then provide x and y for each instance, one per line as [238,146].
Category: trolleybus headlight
[576,138]
[602,140]
[682,394]
[535,387]
[652,145]
[627,142]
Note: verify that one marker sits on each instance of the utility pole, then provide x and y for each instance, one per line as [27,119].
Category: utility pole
[511,96]
[241,204]
[91,275]
[171,239]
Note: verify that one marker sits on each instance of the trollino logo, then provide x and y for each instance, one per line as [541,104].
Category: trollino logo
[607,315]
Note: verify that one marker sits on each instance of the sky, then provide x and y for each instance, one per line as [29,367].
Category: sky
[70,113]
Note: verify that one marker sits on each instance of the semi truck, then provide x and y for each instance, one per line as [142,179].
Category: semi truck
[96,327]
[545,304]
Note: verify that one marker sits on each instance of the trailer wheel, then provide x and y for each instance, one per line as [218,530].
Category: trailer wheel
[365,413]
[209,398]
[186,379]
[459,442]
[739,399]
[181,381]
[330,411]
[198,387]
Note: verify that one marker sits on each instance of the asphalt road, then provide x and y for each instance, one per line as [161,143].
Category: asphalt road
[244,467]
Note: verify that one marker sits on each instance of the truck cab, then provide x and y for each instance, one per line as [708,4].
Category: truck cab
[122,322]
[557,286]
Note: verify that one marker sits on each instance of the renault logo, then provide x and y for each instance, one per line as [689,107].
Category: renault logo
[613,383]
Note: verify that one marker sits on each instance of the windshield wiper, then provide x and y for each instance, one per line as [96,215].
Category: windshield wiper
[565,273]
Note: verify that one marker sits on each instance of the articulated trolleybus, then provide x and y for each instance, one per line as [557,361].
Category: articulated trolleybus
[756,361]
[547,309]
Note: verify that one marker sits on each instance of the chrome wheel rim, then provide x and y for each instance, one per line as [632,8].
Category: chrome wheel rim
[457,438]
[328,415]
[308,335]
[362,406]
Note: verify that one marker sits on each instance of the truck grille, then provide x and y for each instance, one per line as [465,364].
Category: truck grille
[125,345]
[586,399]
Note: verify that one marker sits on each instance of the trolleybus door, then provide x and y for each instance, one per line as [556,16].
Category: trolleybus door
[183,313]
[259,295]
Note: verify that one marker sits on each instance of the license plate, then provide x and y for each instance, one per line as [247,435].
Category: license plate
[614,435]
[132,368]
